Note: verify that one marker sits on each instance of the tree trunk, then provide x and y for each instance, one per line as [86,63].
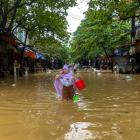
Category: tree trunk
[14,14]
[133,30]
[108,58]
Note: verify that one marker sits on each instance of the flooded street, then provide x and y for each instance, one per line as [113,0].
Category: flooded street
[108,109]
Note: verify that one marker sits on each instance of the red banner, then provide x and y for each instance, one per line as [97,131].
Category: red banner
[30,54]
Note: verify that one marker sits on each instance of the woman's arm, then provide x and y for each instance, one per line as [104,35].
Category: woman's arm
[59,75]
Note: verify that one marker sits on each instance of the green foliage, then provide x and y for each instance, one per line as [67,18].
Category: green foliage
[44,21]
[102,27]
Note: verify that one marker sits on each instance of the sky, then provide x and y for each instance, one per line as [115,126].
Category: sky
[76,14]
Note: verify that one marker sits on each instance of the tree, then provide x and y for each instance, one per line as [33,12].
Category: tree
[101,31]
[40,18]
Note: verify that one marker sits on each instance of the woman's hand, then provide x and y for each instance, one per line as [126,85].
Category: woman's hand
[61,71]
[57,76]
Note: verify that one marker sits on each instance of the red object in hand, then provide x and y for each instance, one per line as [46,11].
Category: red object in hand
[80,84]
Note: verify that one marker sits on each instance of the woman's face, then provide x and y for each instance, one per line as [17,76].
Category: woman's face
[65,71]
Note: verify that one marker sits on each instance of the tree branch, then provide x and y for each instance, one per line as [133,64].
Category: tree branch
[20,21]
[21,5]
[16,5]
[125,18]
[4,15]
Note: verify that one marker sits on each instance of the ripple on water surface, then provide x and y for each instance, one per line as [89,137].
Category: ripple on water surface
[108,109]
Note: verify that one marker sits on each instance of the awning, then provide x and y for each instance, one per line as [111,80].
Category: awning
[29,53]
[40,56]
[20,47]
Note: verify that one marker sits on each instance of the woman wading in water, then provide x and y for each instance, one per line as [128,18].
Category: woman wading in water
[64,84]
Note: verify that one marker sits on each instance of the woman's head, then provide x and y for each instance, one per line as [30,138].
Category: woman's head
[65,69]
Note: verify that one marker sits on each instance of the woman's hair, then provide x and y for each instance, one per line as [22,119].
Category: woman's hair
[66,67]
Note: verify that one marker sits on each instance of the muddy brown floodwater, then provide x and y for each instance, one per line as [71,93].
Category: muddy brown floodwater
[108,109]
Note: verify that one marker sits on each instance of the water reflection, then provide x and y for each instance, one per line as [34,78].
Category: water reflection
[78,131]
[108,109]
